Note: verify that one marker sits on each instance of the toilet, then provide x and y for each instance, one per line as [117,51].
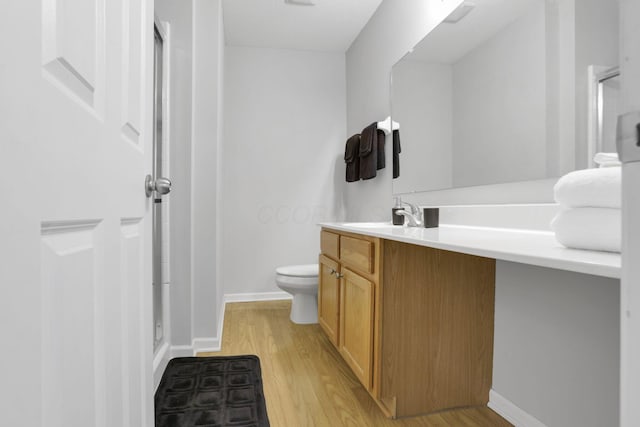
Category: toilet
[301,281]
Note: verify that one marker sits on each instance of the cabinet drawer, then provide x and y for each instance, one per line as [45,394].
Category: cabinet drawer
[330,244]
[357,253]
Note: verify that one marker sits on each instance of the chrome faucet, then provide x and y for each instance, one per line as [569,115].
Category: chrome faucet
[414,219]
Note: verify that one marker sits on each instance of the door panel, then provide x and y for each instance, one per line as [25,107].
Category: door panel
[132,333]
[132,70]
[329,298]
[356,325]
[70,60]
[630,283]
[75,229]
[71,279]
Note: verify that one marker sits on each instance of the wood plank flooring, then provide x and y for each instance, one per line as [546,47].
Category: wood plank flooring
[306,382]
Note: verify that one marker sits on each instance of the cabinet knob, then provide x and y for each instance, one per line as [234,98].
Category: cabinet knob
[338,275]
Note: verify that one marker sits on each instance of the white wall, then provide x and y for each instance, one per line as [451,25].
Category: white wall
[425,116]
[179,17]
[557,344]
[499,106]
[283,153]
[596,27]
[208,54]
[197,52]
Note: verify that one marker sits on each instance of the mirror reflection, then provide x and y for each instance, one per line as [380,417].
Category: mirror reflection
[500,92]
[604,94]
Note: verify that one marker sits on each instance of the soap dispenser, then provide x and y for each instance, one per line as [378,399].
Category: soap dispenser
[397,219]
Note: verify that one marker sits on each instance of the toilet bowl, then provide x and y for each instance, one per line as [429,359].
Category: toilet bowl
[301,281]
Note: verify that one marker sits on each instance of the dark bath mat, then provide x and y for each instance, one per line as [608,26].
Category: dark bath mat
[211,392]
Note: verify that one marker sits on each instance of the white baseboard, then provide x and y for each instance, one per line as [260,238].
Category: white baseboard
[200,345]
[160,361]
[221,310]
[260,296]
[511,412]
[182,351]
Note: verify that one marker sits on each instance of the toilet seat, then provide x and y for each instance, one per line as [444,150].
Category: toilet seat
[306,270]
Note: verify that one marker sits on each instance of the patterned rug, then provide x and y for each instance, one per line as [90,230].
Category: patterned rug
[211,391]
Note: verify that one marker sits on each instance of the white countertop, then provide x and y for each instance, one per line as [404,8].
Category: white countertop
[524,246]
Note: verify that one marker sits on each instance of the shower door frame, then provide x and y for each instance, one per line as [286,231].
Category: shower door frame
[161,248]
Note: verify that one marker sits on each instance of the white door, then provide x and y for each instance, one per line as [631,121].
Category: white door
[75,236]
[630,292]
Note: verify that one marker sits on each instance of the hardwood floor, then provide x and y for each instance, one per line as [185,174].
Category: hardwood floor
[306,381]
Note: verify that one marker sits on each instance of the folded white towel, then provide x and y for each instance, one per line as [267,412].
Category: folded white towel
[601,188]
[596,229]
[605,160]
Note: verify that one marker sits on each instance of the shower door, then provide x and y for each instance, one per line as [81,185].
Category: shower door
[163,186]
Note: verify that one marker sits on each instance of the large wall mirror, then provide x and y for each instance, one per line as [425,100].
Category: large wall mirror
[501,91]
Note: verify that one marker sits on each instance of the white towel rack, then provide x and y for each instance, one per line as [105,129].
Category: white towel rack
[387,125]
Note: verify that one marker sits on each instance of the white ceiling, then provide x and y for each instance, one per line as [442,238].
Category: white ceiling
[330,25]
[449,42]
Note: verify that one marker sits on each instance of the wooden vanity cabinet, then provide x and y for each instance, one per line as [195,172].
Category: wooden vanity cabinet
[415,324]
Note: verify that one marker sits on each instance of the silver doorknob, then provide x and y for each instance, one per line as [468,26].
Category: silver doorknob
[160,185]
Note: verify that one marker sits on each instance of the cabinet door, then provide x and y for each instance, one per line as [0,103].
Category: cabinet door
[329,298]
[356,324]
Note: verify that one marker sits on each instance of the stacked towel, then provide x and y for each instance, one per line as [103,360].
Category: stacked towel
[370,151]
[352,158]
[605,160]
[396,153]
[364,153]
[591,215]
[590,188]
[596,229]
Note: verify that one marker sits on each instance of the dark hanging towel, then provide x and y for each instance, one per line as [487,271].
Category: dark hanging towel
[352,158]
[369,151]
[396,153]
[381,137]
